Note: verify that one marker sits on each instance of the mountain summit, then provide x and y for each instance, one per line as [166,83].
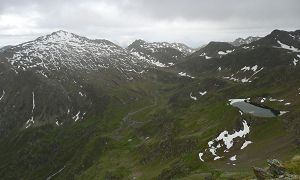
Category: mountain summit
[161,54]
[64,50]
[248,40]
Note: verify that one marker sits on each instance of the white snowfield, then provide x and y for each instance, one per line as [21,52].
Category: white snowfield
[226,140]
[287,47]
[30,121]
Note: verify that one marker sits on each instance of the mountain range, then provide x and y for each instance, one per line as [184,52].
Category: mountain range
[79,108]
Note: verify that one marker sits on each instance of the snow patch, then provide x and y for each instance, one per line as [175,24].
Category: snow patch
[58,124]
[287,47]
[241,113]
[30,121]
[80,93]
[76,117]
[185,74]
[226,139]
[207,57]
[295,61]
[193,97]
[245,80]
[273,100]
[225,52]
[254,68]
[246,68]
[217,157]
[3,93]
[203,93]
[232,101]
[246,143]
[200,156]
[233,158]
[159,64]
[283,112]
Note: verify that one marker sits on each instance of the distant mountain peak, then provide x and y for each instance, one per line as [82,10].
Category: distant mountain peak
[277,31]
[215,49]
[156,45]
[280,38]
[61,35]
[160,54]
[139,41]
[241,41]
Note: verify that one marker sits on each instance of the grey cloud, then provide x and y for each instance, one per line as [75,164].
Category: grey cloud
[220,9]
[190,21]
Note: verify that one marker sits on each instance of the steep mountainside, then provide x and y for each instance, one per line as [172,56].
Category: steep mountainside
[73,72]
[245,63]
[281,39]
[4,48]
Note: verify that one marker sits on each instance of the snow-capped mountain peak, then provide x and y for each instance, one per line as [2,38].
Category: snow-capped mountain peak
[183,48]
[60,36]
[159,53]
[154,46]
[69,51]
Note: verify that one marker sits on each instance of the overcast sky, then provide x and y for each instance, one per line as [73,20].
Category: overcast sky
[194,22]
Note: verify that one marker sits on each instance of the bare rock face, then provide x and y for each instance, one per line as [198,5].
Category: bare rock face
[241,41]
[275,170]
[261,173]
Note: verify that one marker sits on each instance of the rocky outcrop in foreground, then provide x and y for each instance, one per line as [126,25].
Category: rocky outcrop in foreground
[275,170]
